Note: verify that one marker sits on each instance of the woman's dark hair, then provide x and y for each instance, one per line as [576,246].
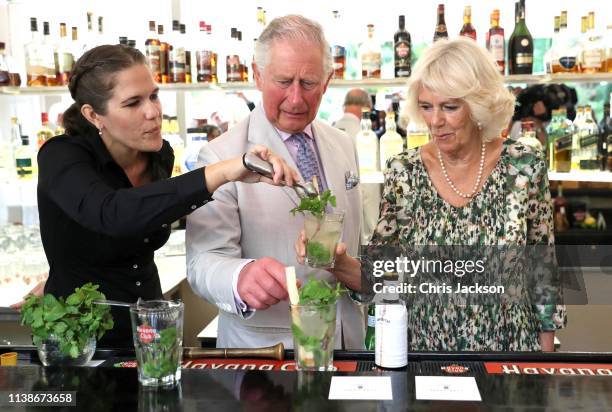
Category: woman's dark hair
[92,82]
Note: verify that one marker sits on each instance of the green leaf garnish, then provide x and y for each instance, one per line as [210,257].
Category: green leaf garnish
[315,205]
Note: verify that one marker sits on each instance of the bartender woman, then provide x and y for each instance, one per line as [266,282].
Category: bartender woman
[105,196]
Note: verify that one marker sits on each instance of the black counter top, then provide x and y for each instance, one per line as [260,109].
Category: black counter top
[108,388]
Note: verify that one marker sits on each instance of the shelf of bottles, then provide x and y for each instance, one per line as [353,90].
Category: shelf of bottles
[365,83]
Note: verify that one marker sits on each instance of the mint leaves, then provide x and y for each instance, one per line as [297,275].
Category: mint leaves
[319,292]
[315,205]
[72,321]
[162,358]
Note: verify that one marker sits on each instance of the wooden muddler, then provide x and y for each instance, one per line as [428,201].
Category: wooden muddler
[272,352]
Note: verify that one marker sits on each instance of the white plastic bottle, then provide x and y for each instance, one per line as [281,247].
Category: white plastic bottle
[391,331]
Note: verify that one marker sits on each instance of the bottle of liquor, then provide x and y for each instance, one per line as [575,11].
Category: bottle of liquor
[214,62]
[59,125]
[51,63]
[187,48]
[244,67]
[64,57]
[441,31]
[520,45]
[391,330]
[89,39]
[152,51]
[232,60]
[528,135]
[391,143]
[589,142]
[176,55]
[560,221]
[565,53]
[370,52]
[593,55]
[608,47]
[101,35]
[338,50]
[552,131]
[578,129]
[563,143]
[367,146]
[550,57]
[605,127]
[36,69]
[45,133]
[25,160]
[203,56]
[496,43]
[77,48]
[468,29]
[370,337]
[4,69]
[164,49]
[403,50]
[417,135]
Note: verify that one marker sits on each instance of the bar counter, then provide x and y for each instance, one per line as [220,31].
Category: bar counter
[506,381]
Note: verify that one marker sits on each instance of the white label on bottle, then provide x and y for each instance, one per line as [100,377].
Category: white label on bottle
[391,336]
[524,58]
[370,63]
[591,59]
[496,46]
[371,321]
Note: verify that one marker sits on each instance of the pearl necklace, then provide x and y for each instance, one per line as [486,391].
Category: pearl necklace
[478,178]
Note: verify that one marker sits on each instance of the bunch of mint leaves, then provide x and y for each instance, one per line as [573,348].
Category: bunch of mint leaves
[72,321]
[319,292]
[162,358]
[315,205]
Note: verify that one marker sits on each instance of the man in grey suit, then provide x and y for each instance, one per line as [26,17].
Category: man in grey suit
[239,244]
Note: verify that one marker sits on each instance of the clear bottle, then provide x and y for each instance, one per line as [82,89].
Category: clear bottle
[367,146]
[338,49]
[589,142]
[417,135]
[153,51]
[89,39]
[593,54]
[552,131]
[164,48]
[402,50]
[44,133]
[4,69]
[242,52]
[25,160]
[583,40]
[369,53]
[520,45]
[64,56]
[36,68]
[232,59]
[563,143]
[51,63]
[528,135]
[77,48]
[441,31]
[391,143]
[496,43]
[186,45]
[391,330]
[550,57]
[176,55]
[468,29]
[577,131]
[566,60]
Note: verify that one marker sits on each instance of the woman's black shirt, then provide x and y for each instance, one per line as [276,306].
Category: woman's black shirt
[96,227]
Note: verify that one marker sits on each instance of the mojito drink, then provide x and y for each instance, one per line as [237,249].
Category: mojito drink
[313,328]
[322,236]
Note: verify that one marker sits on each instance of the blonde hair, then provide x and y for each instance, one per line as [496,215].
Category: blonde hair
[461,69]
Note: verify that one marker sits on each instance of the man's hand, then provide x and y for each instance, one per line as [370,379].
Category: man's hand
[262,283]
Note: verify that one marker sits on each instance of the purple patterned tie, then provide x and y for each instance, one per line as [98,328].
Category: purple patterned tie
[306,160]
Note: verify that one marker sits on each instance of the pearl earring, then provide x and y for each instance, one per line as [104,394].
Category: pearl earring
[479,125]
[100,132]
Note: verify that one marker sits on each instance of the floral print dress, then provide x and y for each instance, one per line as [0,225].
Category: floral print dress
[512,208]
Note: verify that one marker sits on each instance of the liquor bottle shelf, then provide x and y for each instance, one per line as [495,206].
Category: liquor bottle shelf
[587,176]
[365,83]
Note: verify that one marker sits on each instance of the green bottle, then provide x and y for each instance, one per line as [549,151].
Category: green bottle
[370,338]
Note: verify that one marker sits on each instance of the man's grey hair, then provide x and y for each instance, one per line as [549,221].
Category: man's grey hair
[292,27]
[357,97]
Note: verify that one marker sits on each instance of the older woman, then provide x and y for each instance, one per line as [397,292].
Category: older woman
[462,188]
